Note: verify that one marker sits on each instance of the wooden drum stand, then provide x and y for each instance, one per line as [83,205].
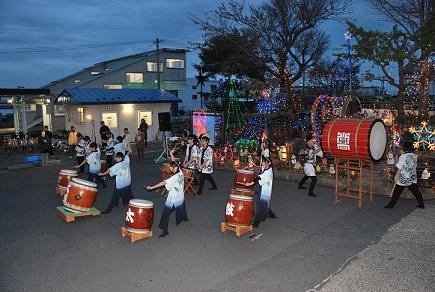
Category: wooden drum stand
[352,185]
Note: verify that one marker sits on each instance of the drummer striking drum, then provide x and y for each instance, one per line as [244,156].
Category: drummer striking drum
[175,200]
[310,153]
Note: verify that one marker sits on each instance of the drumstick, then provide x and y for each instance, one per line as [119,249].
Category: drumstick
[392,190]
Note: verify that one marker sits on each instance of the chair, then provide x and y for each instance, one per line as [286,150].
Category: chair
[188,182]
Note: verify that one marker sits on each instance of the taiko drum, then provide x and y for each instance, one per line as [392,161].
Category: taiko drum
[353,138]
[242,177]
[239,210]
[80,195]
[140,215]
[65,175]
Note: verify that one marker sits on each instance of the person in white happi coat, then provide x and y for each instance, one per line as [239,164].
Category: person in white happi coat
[175,200]
[110,149]
[127,140]
[265,180]
[93,159]
[121,170]
[192,152]
[119,145]
[205,165]
[310,154]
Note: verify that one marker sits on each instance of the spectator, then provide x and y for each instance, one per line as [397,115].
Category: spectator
[104,130]
[140,143]
[144,128]
[72,139]
[49,136]
[43,146]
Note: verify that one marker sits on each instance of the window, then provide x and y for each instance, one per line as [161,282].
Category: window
[77,81]
[30,107]
[152,67]
[110,119]
[59,110]
[95,73]
[147,115]
[193,87]
[112,86]
[134,77]
[194,97]
[80,116]
[175,63]
[213,87]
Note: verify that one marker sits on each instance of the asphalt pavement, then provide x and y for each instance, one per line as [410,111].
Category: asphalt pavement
[309,241]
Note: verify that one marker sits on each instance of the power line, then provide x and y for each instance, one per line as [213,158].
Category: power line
[43,49]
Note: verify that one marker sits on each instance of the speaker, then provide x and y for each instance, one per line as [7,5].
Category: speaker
[164,121]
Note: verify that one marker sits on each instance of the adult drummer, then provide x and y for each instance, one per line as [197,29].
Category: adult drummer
[192,151]
[310,154]
[175,200]
[122,182]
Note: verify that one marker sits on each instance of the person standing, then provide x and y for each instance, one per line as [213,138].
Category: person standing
[72,139]
[205,165]
[127,140]
[175,200]
[81,151]
[140,143]
[119,145]
[121,170]
[310,154]
[191,158]
[49,136]
[104,130]
[144,128]
[94,162]
[109,143]
[406,176]
[44,148]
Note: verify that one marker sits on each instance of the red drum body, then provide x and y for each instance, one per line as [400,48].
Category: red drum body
[357,139]
[242,177]
[80,195]
[65,175]
[140,215]
[239,210]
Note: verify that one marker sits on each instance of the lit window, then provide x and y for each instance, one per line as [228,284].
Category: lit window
[194,97]
[95,73]
[175,63]
[77,81]
[110,119]
[30,107]
[152,67]
[59,110]
[112,86]
[80,116]
[134,77]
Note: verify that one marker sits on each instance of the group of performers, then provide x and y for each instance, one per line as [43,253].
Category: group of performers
[199,159]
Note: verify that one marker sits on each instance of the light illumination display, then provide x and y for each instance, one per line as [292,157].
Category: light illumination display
[423,136]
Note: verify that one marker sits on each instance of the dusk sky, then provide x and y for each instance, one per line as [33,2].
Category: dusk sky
[61,24]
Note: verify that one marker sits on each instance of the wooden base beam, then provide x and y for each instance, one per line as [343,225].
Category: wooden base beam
[238,229]
[135,236]
[71,216]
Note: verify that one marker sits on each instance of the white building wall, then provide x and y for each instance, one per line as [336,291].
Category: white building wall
[127,117]
[188,103]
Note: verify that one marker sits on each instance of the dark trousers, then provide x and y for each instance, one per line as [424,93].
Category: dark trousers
[180,215]
[399,189]
[109,160]
[202,178]
[139,152]
[262,211]
[125,194]
[312,184]
[94,177]
[80,160]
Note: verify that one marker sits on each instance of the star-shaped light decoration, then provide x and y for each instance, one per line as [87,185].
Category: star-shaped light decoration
[347,35]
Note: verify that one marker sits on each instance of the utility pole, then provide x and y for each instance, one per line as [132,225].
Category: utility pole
[157,43]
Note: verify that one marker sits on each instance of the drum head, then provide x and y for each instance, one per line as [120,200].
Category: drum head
[246,171]
[84,182]
[141,203]
[378,140]
[68,171]
[241,198]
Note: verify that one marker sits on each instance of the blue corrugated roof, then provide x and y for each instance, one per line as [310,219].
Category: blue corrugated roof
[115,96]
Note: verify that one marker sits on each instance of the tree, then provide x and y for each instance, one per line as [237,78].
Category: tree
[410,41]
[285,31]
[333,75]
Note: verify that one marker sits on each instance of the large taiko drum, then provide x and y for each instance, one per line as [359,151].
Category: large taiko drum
[352,138]
[140,215]
[239,210]
[65,175]
[244,176]
[80,195]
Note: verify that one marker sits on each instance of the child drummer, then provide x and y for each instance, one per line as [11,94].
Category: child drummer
[310,153]
[122,182]
[175,200]
[265,180]
[94,162]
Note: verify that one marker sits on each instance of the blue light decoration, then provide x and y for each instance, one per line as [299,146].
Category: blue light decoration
[322,110]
